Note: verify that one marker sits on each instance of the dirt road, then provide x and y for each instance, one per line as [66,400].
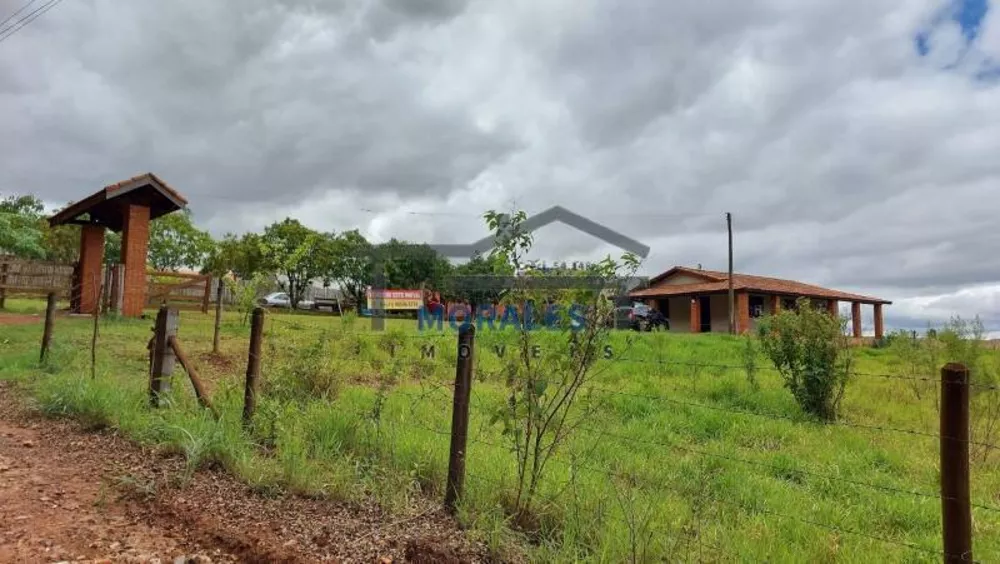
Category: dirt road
[67,495]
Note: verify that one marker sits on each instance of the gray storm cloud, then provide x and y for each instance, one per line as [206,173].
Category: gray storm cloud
[847,157]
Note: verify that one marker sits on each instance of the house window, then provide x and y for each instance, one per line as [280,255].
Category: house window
[789,304]
[756,306]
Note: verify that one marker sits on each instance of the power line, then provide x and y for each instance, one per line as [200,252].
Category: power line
[20,24]
[19,10]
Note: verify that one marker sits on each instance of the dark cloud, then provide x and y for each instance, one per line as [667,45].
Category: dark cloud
[847,157]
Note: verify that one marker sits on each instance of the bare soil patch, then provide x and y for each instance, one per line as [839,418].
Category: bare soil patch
[19,319]
[95,497]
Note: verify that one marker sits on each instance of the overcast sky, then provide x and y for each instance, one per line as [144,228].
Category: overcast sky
[856,142]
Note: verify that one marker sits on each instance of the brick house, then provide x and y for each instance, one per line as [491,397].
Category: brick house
[697,301]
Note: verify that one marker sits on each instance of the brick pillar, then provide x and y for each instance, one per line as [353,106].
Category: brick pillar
[878,321]
[775,305]
[91,261]
[695,315]
[135,243]
[833,307]
[856,318]
[742,312]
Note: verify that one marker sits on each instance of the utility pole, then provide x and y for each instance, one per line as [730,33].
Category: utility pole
[732,296]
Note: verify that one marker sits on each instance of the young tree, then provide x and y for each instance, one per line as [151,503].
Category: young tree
[174,242]
[544,404]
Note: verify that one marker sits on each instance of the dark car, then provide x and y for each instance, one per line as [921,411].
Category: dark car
[639,317]
[651,320]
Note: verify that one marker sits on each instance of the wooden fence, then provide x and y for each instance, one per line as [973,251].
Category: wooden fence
[179,289]
[20,276]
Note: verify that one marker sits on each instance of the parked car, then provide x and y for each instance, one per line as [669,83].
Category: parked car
[283,300]
[639,317]
[650,320]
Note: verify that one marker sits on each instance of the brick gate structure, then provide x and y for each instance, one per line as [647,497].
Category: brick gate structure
[125,207]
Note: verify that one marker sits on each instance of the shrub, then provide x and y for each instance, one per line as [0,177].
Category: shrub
[808,348]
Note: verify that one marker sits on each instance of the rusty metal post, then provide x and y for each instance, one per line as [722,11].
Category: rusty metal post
[218,317]
[956,513]
[253,364]
[460,416]
[50,314]
[163,355]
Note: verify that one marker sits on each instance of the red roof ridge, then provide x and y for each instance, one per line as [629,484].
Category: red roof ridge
[148,176]
[718,281]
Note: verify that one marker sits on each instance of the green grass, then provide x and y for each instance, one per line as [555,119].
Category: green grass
[684,455]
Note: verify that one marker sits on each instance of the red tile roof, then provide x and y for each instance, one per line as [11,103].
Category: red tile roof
[149,177]
[146,188]
[715,281]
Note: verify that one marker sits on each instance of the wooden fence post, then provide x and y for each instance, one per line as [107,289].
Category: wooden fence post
[206,297]
[163,355]
[93,338]
[218,317]
[956,513]
[50,313]
[106,290]
[253,364]
[460,416]
[188,366]
[3,284]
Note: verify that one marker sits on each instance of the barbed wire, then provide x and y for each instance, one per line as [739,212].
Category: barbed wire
[793,419]
[664,362]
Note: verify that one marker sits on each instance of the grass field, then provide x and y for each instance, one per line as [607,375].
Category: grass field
[683,460]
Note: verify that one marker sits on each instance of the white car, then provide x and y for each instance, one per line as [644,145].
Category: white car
[281,299]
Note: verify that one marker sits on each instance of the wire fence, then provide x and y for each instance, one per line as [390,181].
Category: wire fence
[628,361]
[608,453]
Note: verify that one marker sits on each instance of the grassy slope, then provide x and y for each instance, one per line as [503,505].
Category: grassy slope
[702,464]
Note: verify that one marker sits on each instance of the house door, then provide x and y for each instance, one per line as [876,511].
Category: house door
[704,303]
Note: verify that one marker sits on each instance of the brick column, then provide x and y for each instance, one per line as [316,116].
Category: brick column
[135,244]
[695,315]
[91,261]
[742,312]
[833,307]
[856,318]
[878,321]
[775,305]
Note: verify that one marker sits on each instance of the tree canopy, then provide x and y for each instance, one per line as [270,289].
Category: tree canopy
[174,242]
[20,226]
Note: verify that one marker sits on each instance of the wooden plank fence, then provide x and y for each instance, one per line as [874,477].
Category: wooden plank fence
[179,289]
[19,276]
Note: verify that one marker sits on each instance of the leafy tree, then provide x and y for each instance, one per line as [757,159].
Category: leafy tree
[62,243]
[242,256]
[411,266]
[476,281]
[296,252]
[20,229]
[112,248]
[351,265]
[809,349]
[174,242]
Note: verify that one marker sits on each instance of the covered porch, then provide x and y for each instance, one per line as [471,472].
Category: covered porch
[709,312]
